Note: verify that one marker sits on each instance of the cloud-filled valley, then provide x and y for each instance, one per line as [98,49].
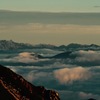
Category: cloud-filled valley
[73,73]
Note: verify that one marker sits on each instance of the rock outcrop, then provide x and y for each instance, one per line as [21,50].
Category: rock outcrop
[15,87]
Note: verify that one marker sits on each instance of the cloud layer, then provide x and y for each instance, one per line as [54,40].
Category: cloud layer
[89,56]
[85,58]
[85,96]
[69,75]
[26,57]
[72,80]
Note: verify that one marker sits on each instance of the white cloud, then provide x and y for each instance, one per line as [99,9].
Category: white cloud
[35,74]
[87,56]
[14,69]
[26,57]
[84,95]
[69,75]
[30,76]
[74,95]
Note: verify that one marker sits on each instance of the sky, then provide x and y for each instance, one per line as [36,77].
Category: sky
[55,34]
[51,5]
[52,28]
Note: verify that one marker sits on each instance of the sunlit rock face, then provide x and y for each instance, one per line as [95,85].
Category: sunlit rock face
[15,87]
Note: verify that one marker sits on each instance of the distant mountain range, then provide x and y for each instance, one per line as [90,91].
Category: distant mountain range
[15,87]
[11,45]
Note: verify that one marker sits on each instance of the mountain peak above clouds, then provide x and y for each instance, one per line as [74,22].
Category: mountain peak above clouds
[15,87]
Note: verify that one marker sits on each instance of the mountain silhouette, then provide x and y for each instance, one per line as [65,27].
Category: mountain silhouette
[64,55]
[15,87]
[11,45]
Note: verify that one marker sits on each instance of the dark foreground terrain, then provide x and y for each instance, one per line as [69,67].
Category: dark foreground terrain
[15,87]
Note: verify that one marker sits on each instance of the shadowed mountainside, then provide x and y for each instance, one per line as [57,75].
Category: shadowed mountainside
[15,87]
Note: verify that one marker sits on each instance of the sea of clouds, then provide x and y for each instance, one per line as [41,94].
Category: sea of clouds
[72,78]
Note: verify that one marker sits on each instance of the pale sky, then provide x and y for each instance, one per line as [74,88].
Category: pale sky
[51,34]
[59,28]
[51,5]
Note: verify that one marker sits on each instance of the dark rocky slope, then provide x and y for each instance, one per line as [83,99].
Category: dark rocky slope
[15,87]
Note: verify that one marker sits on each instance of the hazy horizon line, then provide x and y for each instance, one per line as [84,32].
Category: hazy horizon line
[9,10]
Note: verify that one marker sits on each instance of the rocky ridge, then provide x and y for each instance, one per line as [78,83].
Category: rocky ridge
[15,87]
